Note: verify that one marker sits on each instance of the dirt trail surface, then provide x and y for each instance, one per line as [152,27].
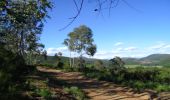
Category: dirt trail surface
[97,90]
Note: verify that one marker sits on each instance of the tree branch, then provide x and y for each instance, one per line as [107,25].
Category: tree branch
[108,3]
[75,17]
[76,5]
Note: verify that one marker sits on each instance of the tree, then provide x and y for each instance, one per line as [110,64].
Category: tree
[69,44]
[21,23]
[91,50]
[81,41]
[58,60]
[44,54]
[116,65]
[99,64]
[118,62]
[60,54]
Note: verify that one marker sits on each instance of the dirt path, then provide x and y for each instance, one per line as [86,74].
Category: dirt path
[97,90]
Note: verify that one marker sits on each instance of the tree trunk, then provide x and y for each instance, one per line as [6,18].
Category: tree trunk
[70,60]
[21,46]
[74,59]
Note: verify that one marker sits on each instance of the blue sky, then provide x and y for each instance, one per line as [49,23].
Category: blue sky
[125,32]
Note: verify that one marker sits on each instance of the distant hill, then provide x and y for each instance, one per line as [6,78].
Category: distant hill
[131,61]
[154,59]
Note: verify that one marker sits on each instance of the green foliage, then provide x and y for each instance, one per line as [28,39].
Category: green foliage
[44,54]
[21,23]
[45,93]
[80,64]
[139,86]
[141,73]
[138,78]
[161,88]
[117,63]
[12,69]
[69,69]
[81,38]
[59,63]
[76,92]
[81,42]
[11,66]
[91,50]
[99,65]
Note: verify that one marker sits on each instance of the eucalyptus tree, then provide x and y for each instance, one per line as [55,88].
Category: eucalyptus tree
[60,54]
[84,43]
[81,41]
[69,43]
[116,65]
[21,23]
[98,64]
[44,54]
[58,58]
[91,50]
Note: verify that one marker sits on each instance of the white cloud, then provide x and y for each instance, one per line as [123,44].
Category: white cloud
[52,51]
[118,44]
[130,48]
[121,52]
[158,46]
[127,49]
[101,52]
[131,51]
[167,47]
[104,55]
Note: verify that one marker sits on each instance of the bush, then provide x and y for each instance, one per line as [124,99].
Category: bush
[99,65]
[80,64]
[161,88]
[138,78]
[45,93]
[76,92]
[12,70]
[68,69]
[139,86]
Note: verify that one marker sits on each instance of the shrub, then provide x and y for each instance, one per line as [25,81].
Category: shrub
[99,65]
[12,66]
[162,87]
[45,93]
[12,70]
[139,86]
[76,92]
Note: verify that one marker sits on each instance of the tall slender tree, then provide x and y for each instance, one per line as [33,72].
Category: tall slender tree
[69,44]
[81,41]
